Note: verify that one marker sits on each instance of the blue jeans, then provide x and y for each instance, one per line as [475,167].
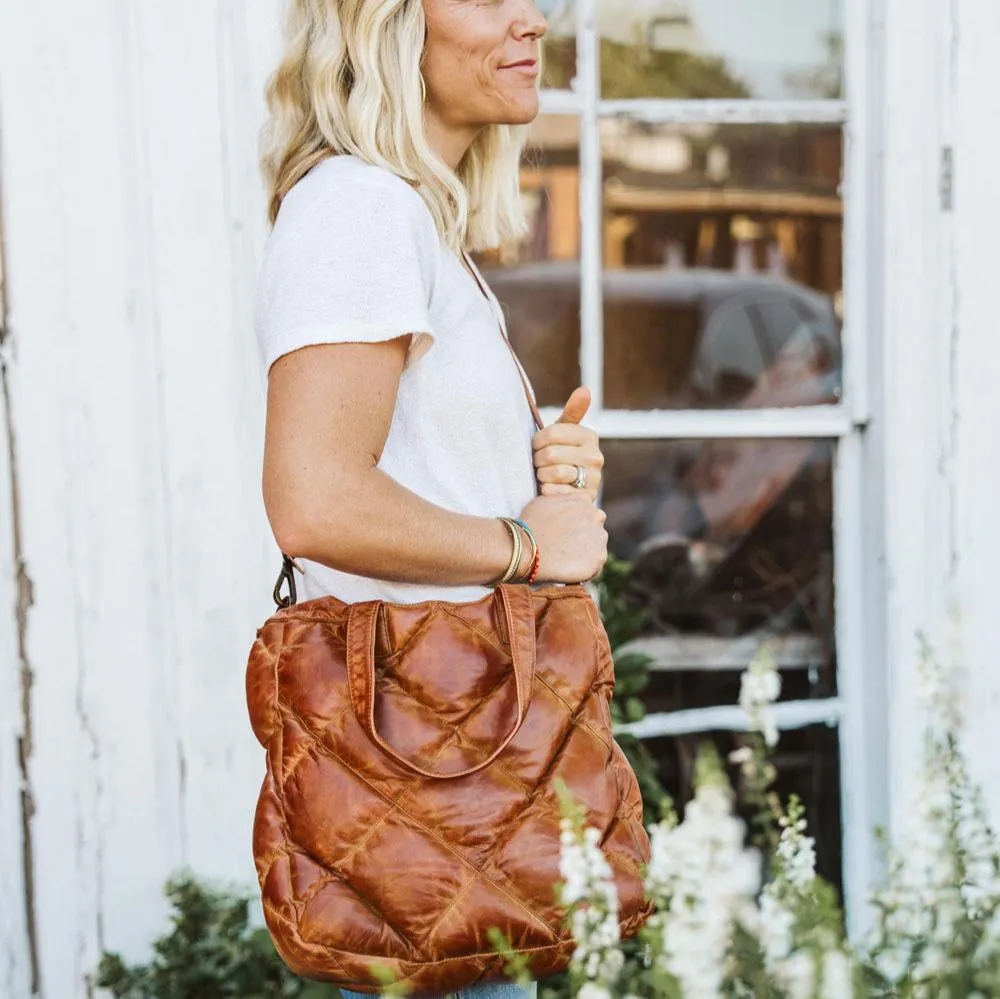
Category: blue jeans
[484,990]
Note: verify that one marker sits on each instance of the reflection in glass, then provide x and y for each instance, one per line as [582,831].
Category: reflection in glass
[534,279]
[727,538]
[723,257]
[559,44]
[731,547]
[721,49]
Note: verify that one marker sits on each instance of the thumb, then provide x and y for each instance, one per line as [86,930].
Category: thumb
[576,406]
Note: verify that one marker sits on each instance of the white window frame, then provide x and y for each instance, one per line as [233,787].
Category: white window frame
[859,709]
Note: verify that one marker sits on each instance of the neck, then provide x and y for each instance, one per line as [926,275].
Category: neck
[450,142]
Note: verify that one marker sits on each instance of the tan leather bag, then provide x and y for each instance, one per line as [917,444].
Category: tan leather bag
[410,803]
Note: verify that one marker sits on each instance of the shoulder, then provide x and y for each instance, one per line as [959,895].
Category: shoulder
[346,192]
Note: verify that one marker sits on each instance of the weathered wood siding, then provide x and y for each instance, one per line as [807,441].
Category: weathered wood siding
[133,226]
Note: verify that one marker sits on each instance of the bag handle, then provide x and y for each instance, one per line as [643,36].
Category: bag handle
[515,603]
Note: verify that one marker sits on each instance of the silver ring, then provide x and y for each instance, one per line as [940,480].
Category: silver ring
[581,478]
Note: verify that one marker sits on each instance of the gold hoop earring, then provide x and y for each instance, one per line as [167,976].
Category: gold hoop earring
[423,89]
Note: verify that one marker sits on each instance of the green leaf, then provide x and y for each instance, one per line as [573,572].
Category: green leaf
[635,710]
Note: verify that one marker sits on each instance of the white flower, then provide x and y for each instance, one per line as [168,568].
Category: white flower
[760,686]
[774,929]
[797,853]
[837,982]
[943,873]
[703,880]
[590,990]
[589,891]
[797,975]
[892,964]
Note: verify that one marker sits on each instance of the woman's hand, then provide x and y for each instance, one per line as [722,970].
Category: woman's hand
[564,447]
[572,541]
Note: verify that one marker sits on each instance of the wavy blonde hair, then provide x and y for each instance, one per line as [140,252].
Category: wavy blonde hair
[350,82]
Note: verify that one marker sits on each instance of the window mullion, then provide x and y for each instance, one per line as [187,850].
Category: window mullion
[726,718]
[726,112]
[824,422]
[588,85]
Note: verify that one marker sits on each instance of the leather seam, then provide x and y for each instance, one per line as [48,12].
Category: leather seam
[636,919]
[482,634]
[425,829]
[332,877]
[459,895]
[573,712]
[275,708]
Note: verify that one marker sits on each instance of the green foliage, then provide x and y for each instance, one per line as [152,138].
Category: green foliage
[516,965]
[210,952]
[636,70]
[623,621]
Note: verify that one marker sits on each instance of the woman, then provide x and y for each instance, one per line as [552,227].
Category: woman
[398,426]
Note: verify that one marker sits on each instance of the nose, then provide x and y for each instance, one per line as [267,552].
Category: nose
[530,22]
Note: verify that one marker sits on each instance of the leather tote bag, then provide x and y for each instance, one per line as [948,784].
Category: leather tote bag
[409,802]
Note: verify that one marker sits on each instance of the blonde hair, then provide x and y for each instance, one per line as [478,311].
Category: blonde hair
[349,82]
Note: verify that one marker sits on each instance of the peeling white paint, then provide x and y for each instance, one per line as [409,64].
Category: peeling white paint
[134,222]
[16,929]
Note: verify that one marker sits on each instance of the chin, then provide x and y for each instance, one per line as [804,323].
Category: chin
[521,112]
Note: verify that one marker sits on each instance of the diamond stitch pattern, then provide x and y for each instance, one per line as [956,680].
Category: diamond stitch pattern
[394,825]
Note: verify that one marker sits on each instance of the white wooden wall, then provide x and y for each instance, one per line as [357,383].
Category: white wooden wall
[940,356]
[133,220]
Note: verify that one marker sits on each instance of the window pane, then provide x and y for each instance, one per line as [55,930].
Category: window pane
[537,280]
[723,265]
[721,49]
[731,545]
[559,44]
[727,538]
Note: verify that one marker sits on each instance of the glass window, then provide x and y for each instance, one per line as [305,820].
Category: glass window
[721,48]
[723,265]
[731,546]
[559,44]
[727,537]
[711,238]
[538,280]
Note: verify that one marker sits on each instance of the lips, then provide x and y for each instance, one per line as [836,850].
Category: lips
[523,64]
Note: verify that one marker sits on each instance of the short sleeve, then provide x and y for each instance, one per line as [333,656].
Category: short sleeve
[349,260]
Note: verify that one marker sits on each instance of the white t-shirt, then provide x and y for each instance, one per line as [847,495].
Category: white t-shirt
[354,256]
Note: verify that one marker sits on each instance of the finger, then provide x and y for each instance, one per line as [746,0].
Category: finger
[568,454]
[557,473]
[571,434]
[576,406]
[560,489]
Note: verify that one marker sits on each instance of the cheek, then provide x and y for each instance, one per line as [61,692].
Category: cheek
[460,52]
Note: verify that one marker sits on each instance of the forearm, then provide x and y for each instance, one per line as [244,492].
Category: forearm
[372,526]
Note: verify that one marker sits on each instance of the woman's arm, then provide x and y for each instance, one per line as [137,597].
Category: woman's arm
[329,408]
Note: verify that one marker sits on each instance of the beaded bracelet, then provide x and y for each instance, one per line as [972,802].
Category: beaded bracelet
[535,553]
[536,565]
[531,573]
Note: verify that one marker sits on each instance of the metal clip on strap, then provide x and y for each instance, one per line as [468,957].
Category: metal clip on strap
[288,567]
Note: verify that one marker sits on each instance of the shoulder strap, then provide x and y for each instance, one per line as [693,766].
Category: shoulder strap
[520,369]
